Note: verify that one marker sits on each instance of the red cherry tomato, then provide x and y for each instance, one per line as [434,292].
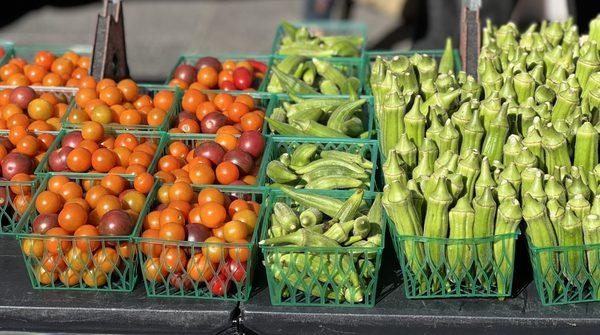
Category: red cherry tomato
[234,270]
[228,86]
[242,78]
[219,286]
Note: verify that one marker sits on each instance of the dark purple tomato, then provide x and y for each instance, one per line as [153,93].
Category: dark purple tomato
[181,281]
[242,78]
[3,194]
[22,96]
[57,160]
[186,73]
[115,223]
[197,232]
[14,163]
[242,159]
[251,142]
[211,151]
[71,139]
[212,122]
[209,61]
[44,222]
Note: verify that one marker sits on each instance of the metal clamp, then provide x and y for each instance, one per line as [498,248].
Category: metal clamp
[109,58]
[470,35]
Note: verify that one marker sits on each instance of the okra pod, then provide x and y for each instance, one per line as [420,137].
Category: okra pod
[290,83]
[505,191]
[310,217]
[469,167]
[507,221]
[536,190]
[524,86]
[580,206]
[327,162]
[283,128]
[343,113]
[495,138]
[485,179]
[286,217]
[586,147]
[436,224]
[485,213]
[325,204]
[407,150]
[571,234]
[447,60]
[352,157]
[473,133]
[303,238]
[512,175]
[591,236]
[555,190]
[313,128]
[533,142]
[448,138]
[392,170]
[415,122]
[302,155]
[279,173]
[461,220]
[555,148]
[511,149]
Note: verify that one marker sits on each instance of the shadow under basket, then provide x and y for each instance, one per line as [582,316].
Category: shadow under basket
[456,268]
[566,274]
[321,276]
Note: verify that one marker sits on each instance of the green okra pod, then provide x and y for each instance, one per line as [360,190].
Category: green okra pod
[524,86]
[555,190]
[533,142]
[469,167]
[586,147]
[303,155]
[448,138]
[415,122]
[279,173]
[580,206]
[345,111]
[505,190]
[485,213]
[447,60]
[526,160]
[473,133]
[310,217]
[461,219]
[485,179]
[512,149]
[408,151]
[427,68]
[435,127]
[283,128]
[352,157]
[392,170]
[436,224]
[507,221]
[462,116]
[556,212]
[496,136]
[570,233]
[325,204]
[333,183]
[286,217]
[536,190]
[556,152]
[512,175]
[303,238]
[290,83]
[591,236]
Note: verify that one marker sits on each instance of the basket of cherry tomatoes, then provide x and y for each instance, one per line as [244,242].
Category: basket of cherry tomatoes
[35,65]
[223,72]
[200,242]
[94,149]
[77,233]
[205,112]
[28,120]
[123,105]
[226,159]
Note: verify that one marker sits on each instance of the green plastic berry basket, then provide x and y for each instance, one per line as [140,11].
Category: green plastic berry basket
[8,50]
[371,55]
[444,276]
[15,196]
[159,138]
[367,116]
[28,52]
[325,28]
[194,140]
[79,263]
[201,279]
[566,274]
[262,101]
[349,67]
[320,276]
[366,149]
[148,89]
[191,59]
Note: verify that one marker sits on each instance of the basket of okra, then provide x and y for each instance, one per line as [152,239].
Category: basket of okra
[322,248]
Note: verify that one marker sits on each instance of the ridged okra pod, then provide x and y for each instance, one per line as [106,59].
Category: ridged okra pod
[436,224]
[555,190]
[536,190]
[448,138]
[310,217]
[408,151]
[392,120]
[586,147]
[555,148]
[556,212]
[447,60]
[533,142]
[472,134]
[524,86]
[591,236]
[512,149]
[570,234]
[507,221]
[588,63]
[512,175]
[392,171]
[495,138]
[580,205]
[414,123]
[541,234]
[461,219]
[505,191]
[469,167]
[485,213]
[485,179]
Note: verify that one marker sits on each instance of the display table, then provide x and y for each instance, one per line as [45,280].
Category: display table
[25,309]
[394,314]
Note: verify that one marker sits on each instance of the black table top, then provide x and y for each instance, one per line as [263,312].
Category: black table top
[25,309]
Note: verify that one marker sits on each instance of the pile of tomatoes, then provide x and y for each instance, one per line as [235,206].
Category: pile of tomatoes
[69,214]
[211,73]
[224,222]
[124,103]
[226,160]
[216,113]
[92,150]
[24,108]
[47,69]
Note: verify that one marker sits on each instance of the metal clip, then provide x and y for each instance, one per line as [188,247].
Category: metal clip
[109,59]
[470,36]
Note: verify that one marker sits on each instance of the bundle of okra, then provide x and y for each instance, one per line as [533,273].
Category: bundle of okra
[307,166]
[299,41]
[537,106]
[312,76]
[314,222]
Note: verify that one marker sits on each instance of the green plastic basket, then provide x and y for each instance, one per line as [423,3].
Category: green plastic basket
[367,116]
[28,52]
[143,89]
[306,276]
[425,277]
[8,51]
[262,101]
[325,28]
[106,268]
[188,283]
[566,274]
[191,59]
[157,137]
[350,67]
[367,149]
[372,54]
[9,213]
[193,140]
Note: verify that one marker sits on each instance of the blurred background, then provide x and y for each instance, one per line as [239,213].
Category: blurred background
[158,31]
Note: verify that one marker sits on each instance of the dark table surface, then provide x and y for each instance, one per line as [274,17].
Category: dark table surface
[25,309]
